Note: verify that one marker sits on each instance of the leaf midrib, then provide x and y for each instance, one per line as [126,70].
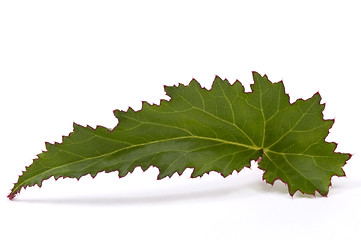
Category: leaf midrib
[137,145]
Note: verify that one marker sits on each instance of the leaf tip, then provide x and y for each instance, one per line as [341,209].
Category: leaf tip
[11,196]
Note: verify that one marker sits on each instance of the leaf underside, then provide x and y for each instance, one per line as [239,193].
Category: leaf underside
[222,130]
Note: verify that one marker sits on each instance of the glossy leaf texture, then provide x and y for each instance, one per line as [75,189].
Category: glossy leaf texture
[222,130]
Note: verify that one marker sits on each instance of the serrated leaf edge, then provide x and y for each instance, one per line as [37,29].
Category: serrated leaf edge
[14,191]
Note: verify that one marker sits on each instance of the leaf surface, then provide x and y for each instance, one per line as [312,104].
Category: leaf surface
[222,129]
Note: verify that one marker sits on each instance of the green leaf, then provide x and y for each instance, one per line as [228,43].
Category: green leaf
[222,129]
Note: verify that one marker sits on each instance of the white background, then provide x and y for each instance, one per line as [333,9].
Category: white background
[76,61]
